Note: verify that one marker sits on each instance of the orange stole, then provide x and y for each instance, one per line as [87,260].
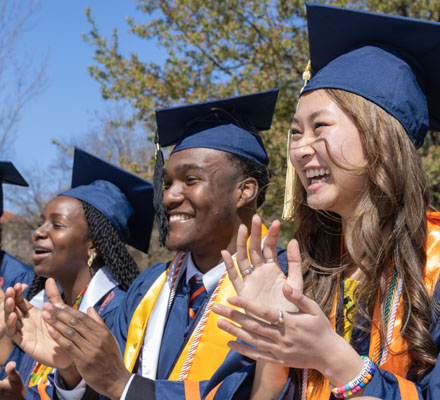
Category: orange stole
[399,364]
[212,349]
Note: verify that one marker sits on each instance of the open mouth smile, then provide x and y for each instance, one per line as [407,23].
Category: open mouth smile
[317,175]
[180,217]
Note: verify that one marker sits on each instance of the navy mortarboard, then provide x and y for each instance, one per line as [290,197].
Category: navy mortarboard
[9,174]
[231,125]
[124,198]
[390,60]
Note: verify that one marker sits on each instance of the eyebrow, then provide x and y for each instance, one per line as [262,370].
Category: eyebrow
[186,167]
[53,215]
[312,116]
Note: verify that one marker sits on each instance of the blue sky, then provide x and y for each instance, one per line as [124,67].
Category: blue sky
[67,105]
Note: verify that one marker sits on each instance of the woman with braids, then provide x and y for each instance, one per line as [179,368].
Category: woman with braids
[364,268]
[80,242]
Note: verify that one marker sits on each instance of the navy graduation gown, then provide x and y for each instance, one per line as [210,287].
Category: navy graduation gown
[14,271]
[235,375]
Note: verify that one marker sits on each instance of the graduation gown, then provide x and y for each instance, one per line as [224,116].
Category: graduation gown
[105,307]
[231,379]
[13,271]
[388,382]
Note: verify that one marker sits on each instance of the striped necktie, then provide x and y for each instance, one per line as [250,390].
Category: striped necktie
[197,296]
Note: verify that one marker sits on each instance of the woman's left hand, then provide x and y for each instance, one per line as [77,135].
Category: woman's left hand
[299,342]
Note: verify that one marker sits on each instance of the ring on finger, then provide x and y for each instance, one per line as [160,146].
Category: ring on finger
[280,319]
[270,260]
[249,270]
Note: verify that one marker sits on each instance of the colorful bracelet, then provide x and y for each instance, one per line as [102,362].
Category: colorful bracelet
[364,377]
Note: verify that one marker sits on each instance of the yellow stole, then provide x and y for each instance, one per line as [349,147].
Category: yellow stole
[212,349]
[399,360]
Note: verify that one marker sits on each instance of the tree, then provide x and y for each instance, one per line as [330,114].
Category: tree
[219,49]
[20,78]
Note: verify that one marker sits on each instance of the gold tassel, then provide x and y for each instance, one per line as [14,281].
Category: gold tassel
[289,191]
[307,75]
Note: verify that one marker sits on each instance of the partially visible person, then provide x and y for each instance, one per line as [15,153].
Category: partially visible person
[214,181]
[80,243]
[11,269]
[364,268]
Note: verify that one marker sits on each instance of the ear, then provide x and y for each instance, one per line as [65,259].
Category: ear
[91,249]
[247,192]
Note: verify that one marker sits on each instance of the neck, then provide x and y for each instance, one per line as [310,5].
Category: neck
[356,247]
[205,258]
[72,288]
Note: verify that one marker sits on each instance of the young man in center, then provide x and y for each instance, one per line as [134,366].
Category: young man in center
[214,181]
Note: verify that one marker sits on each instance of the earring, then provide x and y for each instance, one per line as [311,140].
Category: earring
[92,257]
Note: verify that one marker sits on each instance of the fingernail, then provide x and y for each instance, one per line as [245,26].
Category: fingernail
[223,324]
[47,316]
[60,306]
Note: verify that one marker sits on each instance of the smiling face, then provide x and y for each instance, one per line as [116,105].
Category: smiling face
[327,153]
[60,242]
[200,198]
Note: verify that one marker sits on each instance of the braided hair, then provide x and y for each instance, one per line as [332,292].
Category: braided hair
[111,250]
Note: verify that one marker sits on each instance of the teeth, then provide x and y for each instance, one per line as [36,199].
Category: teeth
[325,179]
[40,250]
[179,217]
[311,173]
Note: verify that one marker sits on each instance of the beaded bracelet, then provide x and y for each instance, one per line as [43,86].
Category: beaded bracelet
[364,377]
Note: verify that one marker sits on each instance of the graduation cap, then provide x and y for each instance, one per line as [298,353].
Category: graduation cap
[9,174]
[124,198]
[230,125]
[390,60]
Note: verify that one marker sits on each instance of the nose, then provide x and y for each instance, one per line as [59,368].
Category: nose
[39,232]
[173,195]
[302,149]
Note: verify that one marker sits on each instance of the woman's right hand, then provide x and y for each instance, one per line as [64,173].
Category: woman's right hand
[26,328]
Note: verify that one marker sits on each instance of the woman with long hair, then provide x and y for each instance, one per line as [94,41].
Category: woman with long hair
[80,242]
[364,265]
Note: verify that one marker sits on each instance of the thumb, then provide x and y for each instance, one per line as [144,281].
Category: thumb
[91,312]
[52,292]
[304,304]
[294,276]
[12,373]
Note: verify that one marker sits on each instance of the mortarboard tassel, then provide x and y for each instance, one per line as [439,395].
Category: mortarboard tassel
[159,209]
[289,191]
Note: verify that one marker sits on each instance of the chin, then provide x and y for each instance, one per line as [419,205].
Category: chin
[176,245]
